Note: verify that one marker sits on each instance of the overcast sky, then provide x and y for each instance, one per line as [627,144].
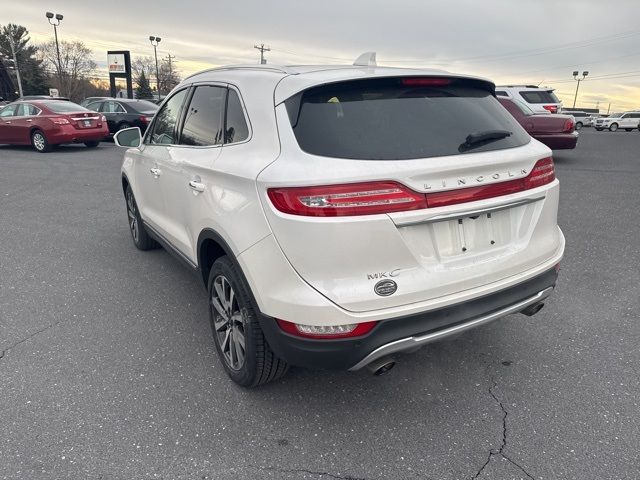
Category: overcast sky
[508,41]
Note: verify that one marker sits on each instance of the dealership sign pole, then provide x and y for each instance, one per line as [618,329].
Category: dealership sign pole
[119,63]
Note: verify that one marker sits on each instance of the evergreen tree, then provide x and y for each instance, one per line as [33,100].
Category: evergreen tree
[34,77]
[143,90]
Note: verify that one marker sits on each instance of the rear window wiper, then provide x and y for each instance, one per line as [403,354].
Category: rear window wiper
[477,139]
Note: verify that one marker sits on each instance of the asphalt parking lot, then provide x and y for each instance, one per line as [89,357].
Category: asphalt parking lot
[108,370]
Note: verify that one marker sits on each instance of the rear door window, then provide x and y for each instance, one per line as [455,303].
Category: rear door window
[236,126]
[399,118]
[539,96]
[203,122]
[8,111]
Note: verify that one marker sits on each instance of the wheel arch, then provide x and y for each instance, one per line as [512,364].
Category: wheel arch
[210,247]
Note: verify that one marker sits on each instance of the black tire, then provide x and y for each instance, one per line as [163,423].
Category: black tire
[258,364]
[613,127]
[141,238]
[578,125]
[628,129]
[93,144]
[39,142]
[123,125]
[598,129]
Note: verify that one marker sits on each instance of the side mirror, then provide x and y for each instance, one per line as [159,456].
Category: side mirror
[129,137]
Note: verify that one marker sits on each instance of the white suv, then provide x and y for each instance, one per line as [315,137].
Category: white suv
[628,120]
[540,100]
[340,215]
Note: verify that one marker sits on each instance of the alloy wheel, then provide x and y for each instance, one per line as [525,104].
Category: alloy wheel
[229,322]
[133,218]
[39,141]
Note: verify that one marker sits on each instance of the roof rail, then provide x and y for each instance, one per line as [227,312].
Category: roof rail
[271,68]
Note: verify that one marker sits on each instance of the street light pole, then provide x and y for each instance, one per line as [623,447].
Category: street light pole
[575,77]
[15,64]
[155,41]
[55,21]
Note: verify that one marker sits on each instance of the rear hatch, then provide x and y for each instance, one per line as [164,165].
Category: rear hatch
[400,190]
[545,98]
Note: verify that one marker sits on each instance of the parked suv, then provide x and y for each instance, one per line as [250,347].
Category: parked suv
[340,215]
[540,100]
[628,120]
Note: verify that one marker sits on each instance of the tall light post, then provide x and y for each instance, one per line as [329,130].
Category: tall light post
[155,41]
[575,77]
[55,19]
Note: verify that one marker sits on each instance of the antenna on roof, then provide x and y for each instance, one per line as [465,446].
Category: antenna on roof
[367,59]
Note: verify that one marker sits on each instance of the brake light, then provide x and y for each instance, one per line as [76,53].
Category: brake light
[60,121]
[388,197]
[145,118]
[551,108]
[543,172]
[345,200]
[327,332]
[425,82]
[568,126]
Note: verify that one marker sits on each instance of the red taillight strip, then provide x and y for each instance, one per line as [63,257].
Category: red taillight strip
[388,197]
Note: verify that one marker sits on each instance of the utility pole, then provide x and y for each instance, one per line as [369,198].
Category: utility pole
[15,63]
[170,58]
[262,49]
[609,109]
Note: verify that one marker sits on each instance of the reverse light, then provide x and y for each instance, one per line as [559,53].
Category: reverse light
[326,332]
[103,118]
[388,197]
[344,200]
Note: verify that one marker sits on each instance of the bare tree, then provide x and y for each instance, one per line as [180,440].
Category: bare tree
[147,65]
[75,63]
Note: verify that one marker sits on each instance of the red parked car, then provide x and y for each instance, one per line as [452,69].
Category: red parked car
[46,123]
[555,131]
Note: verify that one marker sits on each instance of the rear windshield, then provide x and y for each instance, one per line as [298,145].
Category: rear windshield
[64,107]
[146,106]
[399,119]
[540,96]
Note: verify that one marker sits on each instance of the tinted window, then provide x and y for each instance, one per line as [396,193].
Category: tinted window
[539,96]
[145,106]
[95,106]
[8,111]
[237,129]
[65,107]
[398,119]
[164,126]
[113,107]
[501,93]
[203,118]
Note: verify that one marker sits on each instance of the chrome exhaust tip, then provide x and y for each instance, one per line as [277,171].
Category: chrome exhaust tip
[532,309]
[381,366]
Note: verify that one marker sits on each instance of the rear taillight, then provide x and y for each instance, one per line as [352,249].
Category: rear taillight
[327,332]
[388,197]
[346,200]
[568,126]
[60,120]
[551,108]
[145,118]
[543,172]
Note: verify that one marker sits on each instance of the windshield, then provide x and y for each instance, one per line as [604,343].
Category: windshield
[146,106]
[540,96]
[64,107]
[524,108]
[399,118]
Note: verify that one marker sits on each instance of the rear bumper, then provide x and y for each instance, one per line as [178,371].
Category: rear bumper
[70,134]
[406,333]
[560,141]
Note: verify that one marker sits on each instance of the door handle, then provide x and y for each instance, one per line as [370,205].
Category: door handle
[7,123]
[155,172]
[29,120]
[196,186]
